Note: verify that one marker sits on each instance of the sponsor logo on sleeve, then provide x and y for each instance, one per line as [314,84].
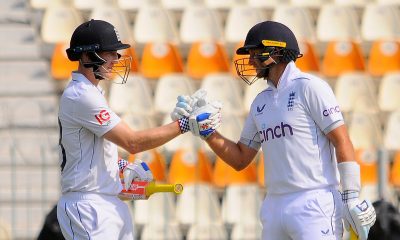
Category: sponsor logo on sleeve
[330,111]
[103,117]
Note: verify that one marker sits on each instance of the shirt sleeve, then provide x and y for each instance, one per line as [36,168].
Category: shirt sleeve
[249,135]
[93,113]
[322,104]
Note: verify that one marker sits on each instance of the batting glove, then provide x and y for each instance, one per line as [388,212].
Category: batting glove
[188,104]
[137,171]
[204,121]
[359,215]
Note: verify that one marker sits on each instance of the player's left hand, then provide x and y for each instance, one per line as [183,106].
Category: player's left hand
[138,171]
[360,215]
[205,120]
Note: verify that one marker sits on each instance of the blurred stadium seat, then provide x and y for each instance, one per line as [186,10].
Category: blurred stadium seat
[309,62]
[19,42]
[154,24]
[224,175]
[59,22]
[159,59]
[209,231]
[239,20]
[389,88]
[134,96]
[380,22]
[61,66]
[189,166]
[298,19]
[392,131]
[356,91]
[168,88]
[395,170]
[168,231]
[248,231]
[365,130]
[342,57]
[337,23]
[199,24]
[384,57]
[206,58]
[198,204]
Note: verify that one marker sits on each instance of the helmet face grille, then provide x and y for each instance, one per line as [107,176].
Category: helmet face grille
[246,71]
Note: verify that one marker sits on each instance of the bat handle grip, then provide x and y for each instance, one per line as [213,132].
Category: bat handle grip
[175,188]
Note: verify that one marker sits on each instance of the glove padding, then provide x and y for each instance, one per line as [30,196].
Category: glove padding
[137,171]
[186,105]
[205,120]
[360,216]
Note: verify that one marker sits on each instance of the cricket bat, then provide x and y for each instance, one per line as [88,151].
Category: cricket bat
[141,190]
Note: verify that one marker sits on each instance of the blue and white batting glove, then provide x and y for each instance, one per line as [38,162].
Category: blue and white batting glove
[137,171]
[187,104]
[359,215]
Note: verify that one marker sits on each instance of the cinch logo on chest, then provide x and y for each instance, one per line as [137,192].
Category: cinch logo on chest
[275,132]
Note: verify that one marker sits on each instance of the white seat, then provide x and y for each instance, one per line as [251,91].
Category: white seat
[200,24]
[158,210]
[298,19]
[59,22]
[116,17]
[380,21]
[26,218]
[134,96]
[223,4]
[225,88]
[336,22]
[365,130]
[241,204]
[39,4]
[356,91]
[186,140]
[239,20]
[355,3]
[251,92]
[34,183]
[135,5]
[392,131]
[168,88]
[389,88]
[18,42]
[266,4]
[154,24]
[15,11]
[248,231]
[87,5]
[5,230]
[309,3]
[168,231]
[198,204]
[138,121]
[180,5]
[207,232]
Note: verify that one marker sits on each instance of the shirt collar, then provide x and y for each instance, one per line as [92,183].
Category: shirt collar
[291,72]
[77,76]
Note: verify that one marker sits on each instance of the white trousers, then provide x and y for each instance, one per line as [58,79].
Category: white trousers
[94,216]
[305,215]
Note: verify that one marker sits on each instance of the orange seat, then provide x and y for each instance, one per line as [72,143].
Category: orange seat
[367,158]
[159,59]
[131,53]
[205,58]
[61,66]
[155,161]
[190,166]
[260,170]
[224,175]
[341,57]
[395,171]
[249,70]
[384,57]
[309,62]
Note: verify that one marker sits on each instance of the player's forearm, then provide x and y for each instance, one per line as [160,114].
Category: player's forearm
[342,143]
[152,138]
[229,151]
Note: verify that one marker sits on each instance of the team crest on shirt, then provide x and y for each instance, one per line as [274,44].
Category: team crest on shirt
[290,104]
[103,117]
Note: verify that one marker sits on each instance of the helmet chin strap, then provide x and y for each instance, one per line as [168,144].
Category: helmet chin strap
[269,63]
[96,63]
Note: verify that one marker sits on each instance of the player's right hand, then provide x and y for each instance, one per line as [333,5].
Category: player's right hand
[360,216]
[186,105]
[205,120]
[137,171]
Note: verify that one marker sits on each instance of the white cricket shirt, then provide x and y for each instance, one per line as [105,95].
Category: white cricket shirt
[289,122]
[88,161]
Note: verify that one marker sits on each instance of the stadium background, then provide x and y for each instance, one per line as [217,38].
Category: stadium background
[178,47]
